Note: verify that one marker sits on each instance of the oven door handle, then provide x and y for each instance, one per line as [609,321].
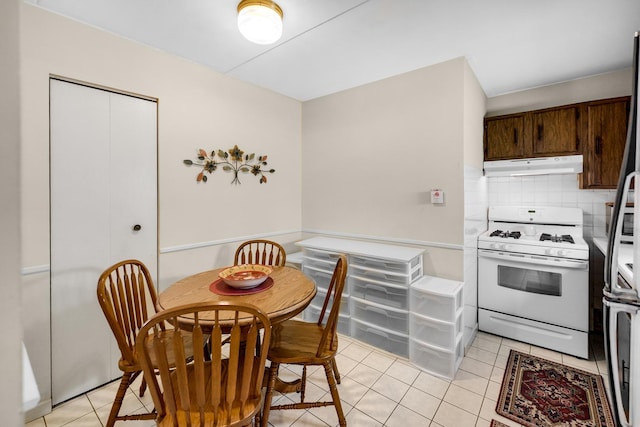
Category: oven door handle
[535,259]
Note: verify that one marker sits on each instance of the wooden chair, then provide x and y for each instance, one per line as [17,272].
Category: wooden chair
[305,343]
[263,252]
[128,297]
[220,387]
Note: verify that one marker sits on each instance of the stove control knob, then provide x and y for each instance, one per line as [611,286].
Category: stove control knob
[503,246]
[547,251]
[492,246]
[562,252]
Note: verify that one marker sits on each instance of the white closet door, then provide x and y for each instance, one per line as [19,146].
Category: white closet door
[103,183]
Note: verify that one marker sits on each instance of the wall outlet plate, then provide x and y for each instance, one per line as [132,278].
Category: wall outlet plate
[437,196]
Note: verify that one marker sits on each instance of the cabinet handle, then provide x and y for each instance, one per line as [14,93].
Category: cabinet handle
[515,136]
[540,132]
[577,144]
[598,144]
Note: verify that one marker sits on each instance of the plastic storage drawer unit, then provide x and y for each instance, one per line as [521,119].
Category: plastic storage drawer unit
[389,295]
[393,342]
[380,315]
[436,298]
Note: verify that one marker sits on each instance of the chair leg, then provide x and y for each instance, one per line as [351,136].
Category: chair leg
[273,373]
[143,386]
[335,369]
[117,402]
[303,383]
[328,370]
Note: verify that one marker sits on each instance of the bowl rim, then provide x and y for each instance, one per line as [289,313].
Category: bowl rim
[245,267]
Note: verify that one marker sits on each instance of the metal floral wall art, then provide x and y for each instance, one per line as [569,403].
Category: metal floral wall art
[233,160]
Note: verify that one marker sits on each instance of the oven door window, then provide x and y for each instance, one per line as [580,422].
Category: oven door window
[532,281]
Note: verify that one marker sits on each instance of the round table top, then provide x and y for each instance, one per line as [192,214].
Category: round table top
[292,291]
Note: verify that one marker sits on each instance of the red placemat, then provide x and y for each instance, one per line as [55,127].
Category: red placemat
[221,288]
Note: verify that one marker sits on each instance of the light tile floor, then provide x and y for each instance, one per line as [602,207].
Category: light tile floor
[377,389]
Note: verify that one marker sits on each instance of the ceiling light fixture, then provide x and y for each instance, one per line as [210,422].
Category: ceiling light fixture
[260,21]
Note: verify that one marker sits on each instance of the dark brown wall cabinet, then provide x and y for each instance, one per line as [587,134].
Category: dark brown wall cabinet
[549,132]
[595,129]
[504,137]
[606,137]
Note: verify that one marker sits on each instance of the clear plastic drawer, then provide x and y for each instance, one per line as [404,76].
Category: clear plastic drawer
[318,300]
[319,263]
[436,332]
[436,298]
[436,360]
[396,296]
[387,265]
[379,315]
[393,342]
[312,313]
[331,257]
[321,278]
[366,273]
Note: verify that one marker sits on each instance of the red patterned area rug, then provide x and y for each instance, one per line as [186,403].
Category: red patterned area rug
[539,393]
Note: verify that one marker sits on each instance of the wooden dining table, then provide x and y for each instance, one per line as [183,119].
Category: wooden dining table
[289,294]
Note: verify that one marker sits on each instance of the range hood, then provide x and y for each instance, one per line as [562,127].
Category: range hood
[534,166]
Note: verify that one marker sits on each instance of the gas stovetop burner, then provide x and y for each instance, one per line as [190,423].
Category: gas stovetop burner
[505,234]
[565,238]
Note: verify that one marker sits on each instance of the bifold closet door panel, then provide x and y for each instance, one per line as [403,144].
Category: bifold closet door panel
[134,180]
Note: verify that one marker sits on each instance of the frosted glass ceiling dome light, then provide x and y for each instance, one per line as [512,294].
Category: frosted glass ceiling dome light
[260,21]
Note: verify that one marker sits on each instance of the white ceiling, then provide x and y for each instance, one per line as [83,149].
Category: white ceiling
[332,45]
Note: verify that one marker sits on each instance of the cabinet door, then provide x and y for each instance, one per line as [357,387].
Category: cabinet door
[607,135]
[556,132]
[504,137]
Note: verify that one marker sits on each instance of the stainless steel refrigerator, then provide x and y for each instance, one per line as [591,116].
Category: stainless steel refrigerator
[621,302]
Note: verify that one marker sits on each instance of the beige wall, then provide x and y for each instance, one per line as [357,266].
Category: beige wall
[475,106]
[197,108]
[372,154]
[10,306]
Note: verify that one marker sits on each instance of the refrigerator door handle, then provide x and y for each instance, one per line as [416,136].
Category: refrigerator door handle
[626,372]
[613,353]
[629,373]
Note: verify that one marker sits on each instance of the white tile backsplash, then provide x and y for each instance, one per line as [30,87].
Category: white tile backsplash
[553,190]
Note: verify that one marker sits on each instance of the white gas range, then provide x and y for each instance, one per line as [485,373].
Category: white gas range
[533,277]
